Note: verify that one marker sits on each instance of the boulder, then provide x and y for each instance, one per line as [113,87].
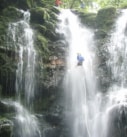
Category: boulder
[6,127]
[117,121]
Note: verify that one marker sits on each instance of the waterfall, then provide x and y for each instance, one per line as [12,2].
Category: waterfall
[20,39]
[80,81]
[21,35]
[118,51]
[89,112]
[116,106]
[25,123]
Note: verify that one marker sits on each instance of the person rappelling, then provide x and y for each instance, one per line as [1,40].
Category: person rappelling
[80,59]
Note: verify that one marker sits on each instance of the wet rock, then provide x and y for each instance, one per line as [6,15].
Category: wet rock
[52,132]
[37,15]
[6,109]
[105,18]
[117,121]
[12,13]
[53,119]
[6,127]
[88,19]
[100,34]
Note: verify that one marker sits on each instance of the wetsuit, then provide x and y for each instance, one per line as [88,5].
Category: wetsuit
[80,60]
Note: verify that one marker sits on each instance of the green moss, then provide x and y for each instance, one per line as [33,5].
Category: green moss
[42,46]
[88,19]
[3,29]
[55,10]
[40,28]
[100,34]
[30,3]
[105,18]
[42,40]
[45,103]
[39,15]
[6,127]
[2,118]
[12,13]
[124,5]
[43,16]
[50,25]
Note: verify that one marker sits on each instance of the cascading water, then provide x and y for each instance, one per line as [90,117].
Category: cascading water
[90,113]
[80,81]
[116,107]
[21,35]
[21,40]
[118,51]
[25,123]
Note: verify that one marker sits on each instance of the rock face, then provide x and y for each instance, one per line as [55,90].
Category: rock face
[6,128]
[117,120]
[104,24]
[6,124]
[51,62]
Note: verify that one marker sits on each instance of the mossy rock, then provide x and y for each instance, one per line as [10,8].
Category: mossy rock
[40,28]
[88,19]
[55,10]
[100,34]
[6,127]
[34,3]
[50,25]
[42,45]
[38,15]
[12,13]
[42,104]
[42,15]
[3,29]
[5,109]
[21,4]
[105,18]
[53,17]
[42,42]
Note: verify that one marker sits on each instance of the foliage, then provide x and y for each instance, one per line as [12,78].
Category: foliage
[42,45]
[40,3]
[48,3]
[88,19]
[105,18]
[6,63]
[124,5]
[74,4]
[92,4]
[12,13]
[116,3]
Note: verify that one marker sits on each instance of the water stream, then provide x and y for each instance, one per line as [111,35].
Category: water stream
[116,107]
[21,41]
[21,36]
[90,113]
[80,81]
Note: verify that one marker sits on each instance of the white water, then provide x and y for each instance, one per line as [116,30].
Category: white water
[80,82]
[21,36]
[116,107]
[88,112]
[21,40]
[118,51]
[25,124]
